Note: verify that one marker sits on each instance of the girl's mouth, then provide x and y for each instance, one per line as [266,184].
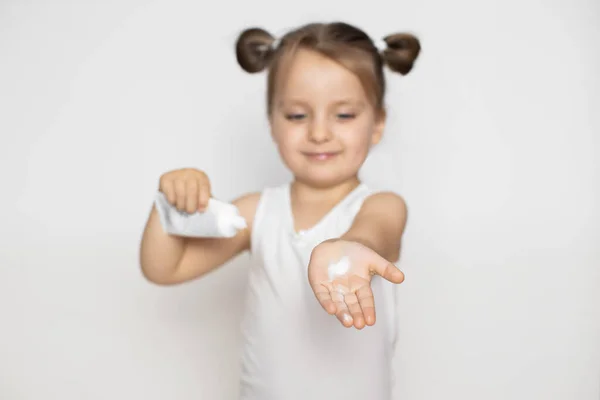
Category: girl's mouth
[321,156]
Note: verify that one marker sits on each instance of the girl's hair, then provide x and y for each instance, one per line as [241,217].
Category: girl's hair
[257,49]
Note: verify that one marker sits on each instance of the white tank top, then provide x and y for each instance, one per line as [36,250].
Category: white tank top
[292,349]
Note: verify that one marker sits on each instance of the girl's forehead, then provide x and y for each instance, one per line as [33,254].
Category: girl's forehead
[306,64]
[310,74]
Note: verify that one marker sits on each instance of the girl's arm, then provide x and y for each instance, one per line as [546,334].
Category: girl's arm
[380,224]
[166,259]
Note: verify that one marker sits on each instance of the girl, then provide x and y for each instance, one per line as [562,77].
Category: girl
[324,239]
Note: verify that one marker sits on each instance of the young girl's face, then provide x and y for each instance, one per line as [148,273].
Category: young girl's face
[322,121]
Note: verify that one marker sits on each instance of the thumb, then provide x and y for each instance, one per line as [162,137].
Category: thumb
[387,270]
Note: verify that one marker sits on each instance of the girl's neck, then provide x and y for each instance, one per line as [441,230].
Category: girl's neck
[303,192]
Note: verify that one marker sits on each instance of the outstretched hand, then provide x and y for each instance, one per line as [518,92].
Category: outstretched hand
[340,272]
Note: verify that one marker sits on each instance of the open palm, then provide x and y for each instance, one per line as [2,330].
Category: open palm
[340,272]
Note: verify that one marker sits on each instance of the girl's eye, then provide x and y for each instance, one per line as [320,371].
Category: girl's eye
[295,117]
[346,116]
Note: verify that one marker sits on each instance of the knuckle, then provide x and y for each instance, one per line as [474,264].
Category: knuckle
[163,180]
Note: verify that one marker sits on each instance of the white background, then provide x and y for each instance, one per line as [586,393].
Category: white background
[493,142]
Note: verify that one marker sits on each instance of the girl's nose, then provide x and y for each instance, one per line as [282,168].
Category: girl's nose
[319,132]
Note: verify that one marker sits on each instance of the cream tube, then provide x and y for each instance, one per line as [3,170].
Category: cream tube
[220,219]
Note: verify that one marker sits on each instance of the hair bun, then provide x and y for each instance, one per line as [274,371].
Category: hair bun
[401,52]
[253,49]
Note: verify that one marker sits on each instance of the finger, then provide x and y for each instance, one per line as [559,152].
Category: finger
[387,270]
[367,303]
[180,194]
[168,189]
[355,310]
[342,312]
[191,196]
[203,193]
[324,297]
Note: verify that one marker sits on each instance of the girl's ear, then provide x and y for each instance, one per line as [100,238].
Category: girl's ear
[379,127]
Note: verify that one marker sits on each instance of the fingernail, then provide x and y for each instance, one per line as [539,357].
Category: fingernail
[347,318]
